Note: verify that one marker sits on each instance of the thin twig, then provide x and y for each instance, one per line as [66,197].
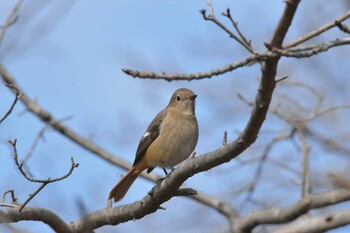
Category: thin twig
[211,17]
[342,27]
[31,196]
[17,97]
[11,19]
[279,79]
[35,143]
[260,167]
[317,32]
[315,115]
[224,141]
[306,184]
[13,197]
[310,50]
[20,167]
[31,179]
[235,25]
[40,136]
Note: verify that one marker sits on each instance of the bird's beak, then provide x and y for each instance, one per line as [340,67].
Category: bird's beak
[193,97]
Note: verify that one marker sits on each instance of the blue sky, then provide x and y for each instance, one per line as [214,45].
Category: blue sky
[69,55]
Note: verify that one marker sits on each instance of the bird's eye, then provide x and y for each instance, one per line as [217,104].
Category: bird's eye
[178,98]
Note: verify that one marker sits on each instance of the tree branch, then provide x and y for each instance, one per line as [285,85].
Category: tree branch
[11,19]
[317,224]
[283,215]
[17,97]
[43,182]
[211,17]
[318,31]
[35,214]
[310,50]
[306,183]
[200,75]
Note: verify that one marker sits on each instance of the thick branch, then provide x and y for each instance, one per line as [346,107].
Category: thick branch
[283,215]
[35,214]
[317,224]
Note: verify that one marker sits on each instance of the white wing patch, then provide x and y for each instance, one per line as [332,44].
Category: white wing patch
[146,135]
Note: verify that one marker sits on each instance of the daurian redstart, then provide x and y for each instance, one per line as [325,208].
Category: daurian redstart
[169,139]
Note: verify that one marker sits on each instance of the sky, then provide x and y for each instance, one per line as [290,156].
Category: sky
[68,56]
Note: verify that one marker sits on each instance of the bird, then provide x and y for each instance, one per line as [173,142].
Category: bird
[170,139]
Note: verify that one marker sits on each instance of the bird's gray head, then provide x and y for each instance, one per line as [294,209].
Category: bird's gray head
[183,100]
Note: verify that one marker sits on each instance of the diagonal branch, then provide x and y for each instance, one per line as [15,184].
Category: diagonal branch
[283,215]
[235,25]
[18,96]
[318,31]
[311,50]
[11,19]
[211,17]
[317,224]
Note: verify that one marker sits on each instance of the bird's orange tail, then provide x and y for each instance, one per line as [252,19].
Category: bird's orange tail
[119,191]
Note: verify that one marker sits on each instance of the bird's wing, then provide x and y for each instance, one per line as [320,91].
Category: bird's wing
[151,134]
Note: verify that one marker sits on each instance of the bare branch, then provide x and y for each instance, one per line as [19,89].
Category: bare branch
[283,215]
[318,31]
[306,184]
[211,17]
[37,139]
[49,180]
[33,146]
[311,50]
[35,214]
[317,224]
[224,141]
[11,19]
[185,192]
[13,197]
[235,25]
[280,79]
[13,203]
[43,182]
[299,52]
[342,27]
[200,75]
[260,167]
[17,97]
[31,196]
[317,114]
